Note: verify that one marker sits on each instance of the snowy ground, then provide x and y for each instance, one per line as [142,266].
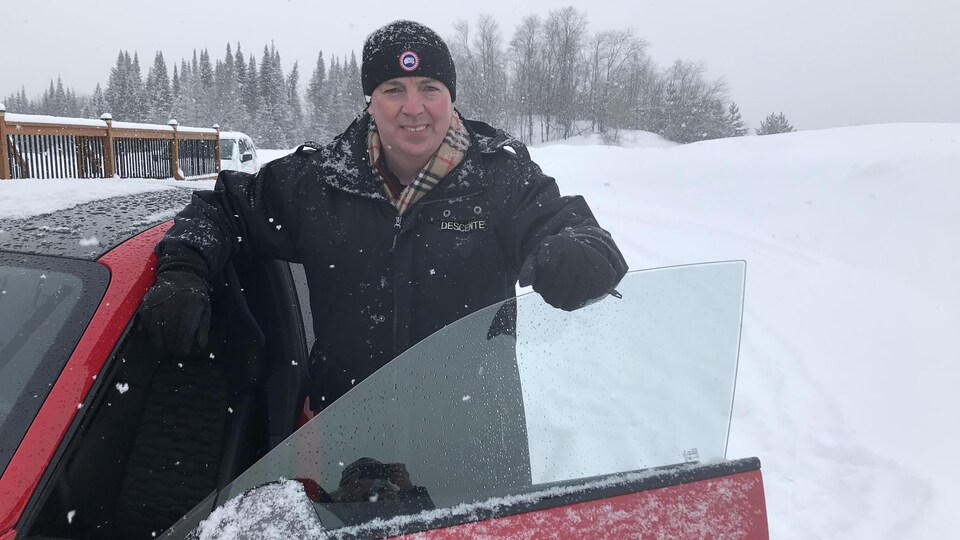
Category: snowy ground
[848,366]
[848,375]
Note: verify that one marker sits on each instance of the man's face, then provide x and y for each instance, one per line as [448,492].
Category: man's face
[412,114]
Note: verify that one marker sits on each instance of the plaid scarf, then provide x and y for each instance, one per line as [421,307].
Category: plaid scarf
[449,155]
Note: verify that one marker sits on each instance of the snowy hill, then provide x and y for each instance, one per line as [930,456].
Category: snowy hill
[848,366]
[849,370]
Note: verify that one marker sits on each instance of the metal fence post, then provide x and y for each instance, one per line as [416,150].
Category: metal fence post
[4,153]
[175,151]
[109,161]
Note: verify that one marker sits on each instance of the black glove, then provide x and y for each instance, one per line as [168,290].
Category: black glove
[175,312]
[568,273]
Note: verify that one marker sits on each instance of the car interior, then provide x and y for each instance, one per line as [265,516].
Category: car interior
[162,433]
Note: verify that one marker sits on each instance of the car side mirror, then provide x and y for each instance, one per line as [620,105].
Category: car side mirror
[246,157]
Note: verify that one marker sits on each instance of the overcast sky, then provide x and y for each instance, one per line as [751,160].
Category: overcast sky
[823,63]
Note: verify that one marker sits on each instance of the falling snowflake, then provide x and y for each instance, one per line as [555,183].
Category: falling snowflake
[466,398]
[123,387]
[70,515]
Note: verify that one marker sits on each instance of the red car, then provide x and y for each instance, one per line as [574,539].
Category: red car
[518,420]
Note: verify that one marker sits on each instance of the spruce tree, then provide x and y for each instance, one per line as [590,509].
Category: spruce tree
[240,72]
[773,124]
[61,105]
[316,102]
[137,106]
[294,109]
[175,84]
[206,70]
[117,92]
[331,117]
[351,91]
[251,97]
[737,126]
[47,106]
[98,102]
[159,98]
[273,101]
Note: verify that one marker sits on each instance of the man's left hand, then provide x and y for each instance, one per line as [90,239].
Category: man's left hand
[567,272]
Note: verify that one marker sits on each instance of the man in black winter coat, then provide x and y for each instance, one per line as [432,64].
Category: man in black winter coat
[410,219]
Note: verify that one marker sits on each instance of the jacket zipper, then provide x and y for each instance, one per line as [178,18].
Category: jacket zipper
[397,225]
[397,229]
[396,232]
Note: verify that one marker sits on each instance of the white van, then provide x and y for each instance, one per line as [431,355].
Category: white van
[238,153]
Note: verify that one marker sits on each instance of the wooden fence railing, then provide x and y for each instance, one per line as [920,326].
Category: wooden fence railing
[54,147]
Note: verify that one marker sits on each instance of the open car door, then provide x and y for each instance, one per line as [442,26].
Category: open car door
[610,421]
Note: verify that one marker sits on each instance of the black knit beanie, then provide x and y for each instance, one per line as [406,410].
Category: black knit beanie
[406,49]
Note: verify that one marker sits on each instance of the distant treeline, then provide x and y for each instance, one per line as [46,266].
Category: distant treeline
[552,80]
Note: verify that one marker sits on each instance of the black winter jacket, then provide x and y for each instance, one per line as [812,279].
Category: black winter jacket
[380,283]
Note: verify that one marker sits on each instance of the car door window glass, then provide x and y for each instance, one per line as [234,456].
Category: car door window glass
[520,395]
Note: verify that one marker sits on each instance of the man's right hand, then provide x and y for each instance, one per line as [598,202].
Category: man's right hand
[175,313]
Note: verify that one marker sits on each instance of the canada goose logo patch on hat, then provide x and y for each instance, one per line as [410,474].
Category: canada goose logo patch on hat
[409,61]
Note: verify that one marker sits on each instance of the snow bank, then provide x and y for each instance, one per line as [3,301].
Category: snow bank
[848,365]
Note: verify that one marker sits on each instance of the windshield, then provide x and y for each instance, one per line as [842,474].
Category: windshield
[521,395]
[45,304]
[226,148]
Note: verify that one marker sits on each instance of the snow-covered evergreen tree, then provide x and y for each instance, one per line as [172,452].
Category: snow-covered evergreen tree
[737,127]
[124,93]
[240,72]
[227,106]
[251,96]
[98,103]
[137,103]
[351,93]
[116,94]
[157,92]
[272,125]
[175,85]
[206,70]
[773,124]
[332,121]
[294,108]
[316,102]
